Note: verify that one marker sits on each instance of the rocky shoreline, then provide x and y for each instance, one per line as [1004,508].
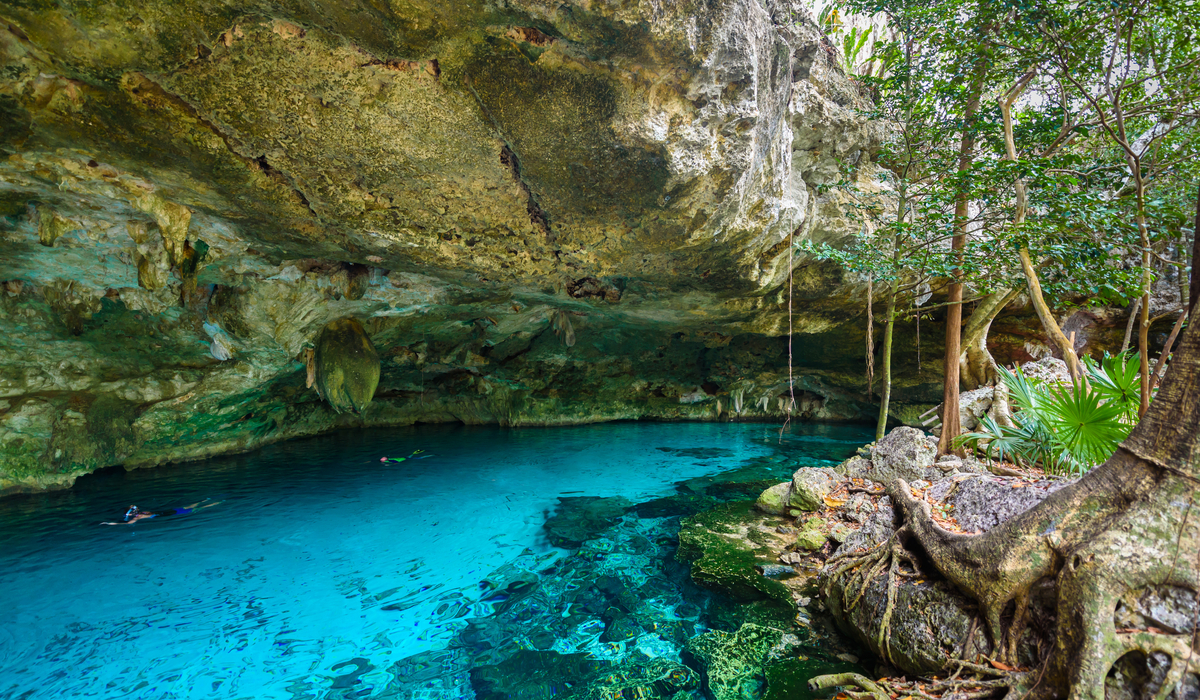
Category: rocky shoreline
[813,539]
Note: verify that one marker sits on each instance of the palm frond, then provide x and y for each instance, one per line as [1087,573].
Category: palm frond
[1117,380]
[1086,429]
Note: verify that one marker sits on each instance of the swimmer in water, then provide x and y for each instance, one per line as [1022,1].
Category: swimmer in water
[415,455]
[135,514]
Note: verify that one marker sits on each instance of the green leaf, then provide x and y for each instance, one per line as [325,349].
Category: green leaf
[1117,380]
[1086,429]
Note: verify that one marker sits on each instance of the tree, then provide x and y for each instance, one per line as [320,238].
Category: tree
[1136,65]
[918,75]
[1125,526]
[1128,524]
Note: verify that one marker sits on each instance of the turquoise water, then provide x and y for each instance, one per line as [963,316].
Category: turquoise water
[323,573]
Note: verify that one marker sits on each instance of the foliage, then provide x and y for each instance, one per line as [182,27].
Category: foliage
[1116,380]
[1065,428]
[856,34]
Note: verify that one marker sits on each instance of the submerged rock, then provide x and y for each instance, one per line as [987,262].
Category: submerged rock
[723,558]
[347,366]
[544,674]
[734,665]
[580,518]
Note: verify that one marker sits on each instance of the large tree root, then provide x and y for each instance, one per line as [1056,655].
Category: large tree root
[1125,526]
[1097,543]
[968,682]
[864,567]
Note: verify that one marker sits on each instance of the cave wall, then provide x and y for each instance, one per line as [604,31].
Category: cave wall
[540,213]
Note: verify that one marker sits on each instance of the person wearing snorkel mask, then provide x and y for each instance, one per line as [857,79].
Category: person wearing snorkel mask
[415,455]
[135,514]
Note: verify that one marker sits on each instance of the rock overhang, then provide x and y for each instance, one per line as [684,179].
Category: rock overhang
[474,183]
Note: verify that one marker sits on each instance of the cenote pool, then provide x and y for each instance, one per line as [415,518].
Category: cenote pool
[522,563]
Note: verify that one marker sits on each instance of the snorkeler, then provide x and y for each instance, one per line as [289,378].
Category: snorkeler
[135,514]
[415,455]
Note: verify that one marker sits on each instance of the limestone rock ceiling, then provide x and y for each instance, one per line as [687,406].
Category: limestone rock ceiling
[190,191]
[522,142]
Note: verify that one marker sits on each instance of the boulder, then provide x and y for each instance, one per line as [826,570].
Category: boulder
[972,405]
[876,528]
[905,453]
[774,500]
[840,532]
[931,623]
[856,467]
[858,508]
[932,620]
[1049,370]
[810,486]
[812,535]
[982,502]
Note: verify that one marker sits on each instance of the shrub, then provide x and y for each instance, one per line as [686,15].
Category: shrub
[1067,429]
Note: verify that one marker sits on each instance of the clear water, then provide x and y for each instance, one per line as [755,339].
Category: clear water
[324,573]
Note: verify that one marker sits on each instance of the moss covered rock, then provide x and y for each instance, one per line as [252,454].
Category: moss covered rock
[734,665]
[775,499]
[810,486]
[723,558]
[347,366]
[811,535]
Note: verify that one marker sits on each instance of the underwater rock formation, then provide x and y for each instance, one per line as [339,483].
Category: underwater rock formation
[734,664]
[347,366]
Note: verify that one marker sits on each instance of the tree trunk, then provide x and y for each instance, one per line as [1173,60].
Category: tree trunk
[893,291]
[966,157]
[1194,286]
[977,367]
[1054,332]
[886,389]
[1049,323]
[1124,526]
[1144,324]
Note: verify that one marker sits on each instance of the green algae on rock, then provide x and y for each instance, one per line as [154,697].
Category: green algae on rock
[812,535]
[347,366]
[531,673]
[723,558]
[734,664]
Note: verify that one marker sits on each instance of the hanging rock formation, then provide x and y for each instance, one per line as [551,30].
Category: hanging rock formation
[347,366]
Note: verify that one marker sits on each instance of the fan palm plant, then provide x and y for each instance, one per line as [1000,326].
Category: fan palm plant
[1067,429]
[1116,378]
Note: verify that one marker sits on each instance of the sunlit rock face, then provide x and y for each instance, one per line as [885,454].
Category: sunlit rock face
[540,213]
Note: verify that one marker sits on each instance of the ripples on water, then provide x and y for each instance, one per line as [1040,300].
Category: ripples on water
[323,573]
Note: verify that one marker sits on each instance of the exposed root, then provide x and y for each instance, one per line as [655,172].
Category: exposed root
[1176,646]
[981,682]
[850,680]
[1119,529]
[866,567]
